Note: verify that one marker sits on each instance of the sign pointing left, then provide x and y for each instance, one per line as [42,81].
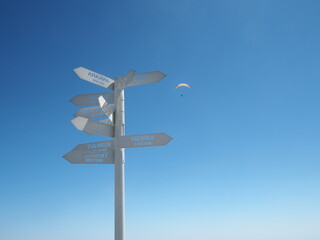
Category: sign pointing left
[94,77]
[90,157]
[108,109]
[92,153]
[90,112]
[91,99]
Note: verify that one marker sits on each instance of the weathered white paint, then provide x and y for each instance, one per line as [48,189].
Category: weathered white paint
[94,77]
[91,99]
[143,140]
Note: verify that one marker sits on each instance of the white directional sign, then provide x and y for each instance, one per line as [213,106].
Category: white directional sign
[91,99]
[145,78]
[107,120]
[90,112]
[94,77]
[92,153]
[97,146]
[90,157]
[87,157]
[124,80]
[92,127]
[143,140]
[108,109]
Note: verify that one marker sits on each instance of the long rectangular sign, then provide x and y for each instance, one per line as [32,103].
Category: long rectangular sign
[107,120]
[124,81]
[91,99]
[96,146]
[145,78]
[108,109]
[92,127]
[94,77]
[92,153]
[90,157]
[90,112]
[143,140]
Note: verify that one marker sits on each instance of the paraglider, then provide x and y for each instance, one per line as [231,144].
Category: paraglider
[183,85]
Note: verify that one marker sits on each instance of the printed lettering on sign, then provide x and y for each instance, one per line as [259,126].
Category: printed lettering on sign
[98,78]
[99,145]
[143,140]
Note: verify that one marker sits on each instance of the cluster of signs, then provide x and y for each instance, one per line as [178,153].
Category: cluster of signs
[103,152]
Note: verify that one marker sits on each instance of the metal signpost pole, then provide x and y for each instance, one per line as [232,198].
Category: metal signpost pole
[111,152]
[119,165]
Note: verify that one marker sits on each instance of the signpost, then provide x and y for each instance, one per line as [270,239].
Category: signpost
[111,152]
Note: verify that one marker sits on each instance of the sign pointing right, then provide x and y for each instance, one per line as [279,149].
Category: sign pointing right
[145,78]
[143,140]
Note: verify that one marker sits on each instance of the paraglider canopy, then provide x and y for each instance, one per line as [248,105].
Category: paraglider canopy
[183,85]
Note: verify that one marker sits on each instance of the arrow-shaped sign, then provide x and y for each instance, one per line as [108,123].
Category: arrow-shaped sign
[123,81]
[107,120]
[94,77]
[91,99]
[143,140]
[145,78]
[92,127]
[96,146]
[92,157]
[90,112]
[108,109]
[92,153]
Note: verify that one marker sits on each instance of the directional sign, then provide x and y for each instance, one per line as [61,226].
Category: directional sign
[96,146]
[90,157]
[92,153]
[100,156]
[94,77]
[108,109]
[145,78]
[107,120]
[92,127]
[123,81]
[90,112]
[143,140]
[91,99]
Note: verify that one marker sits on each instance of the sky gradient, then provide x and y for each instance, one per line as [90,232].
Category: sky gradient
[244,161]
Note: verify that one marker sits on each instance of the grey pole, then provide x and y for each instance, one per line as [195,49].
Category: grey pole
[119,231]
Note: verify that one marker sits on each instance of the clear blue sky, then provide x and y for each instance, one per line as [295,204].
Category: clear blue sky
[245,160]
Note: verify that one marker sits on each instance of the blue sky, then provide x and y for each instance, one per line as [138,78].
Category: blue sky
[244,162]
